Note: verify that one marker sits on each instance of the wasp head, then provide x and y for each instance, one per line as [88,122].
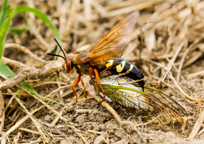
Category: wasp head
[68,61]
[68,65]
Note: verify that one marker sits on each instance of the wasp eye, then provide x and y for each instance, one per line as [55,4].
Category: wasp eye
[68,65]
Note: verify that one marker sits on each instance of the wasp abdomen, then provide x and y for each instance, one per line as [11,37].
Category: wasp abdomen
[120,66]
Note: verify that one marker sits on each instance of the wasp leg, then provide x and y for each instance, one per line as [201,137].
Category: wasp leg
[91,73]
[82,82]
[124,73]
[136,81]
[119,75]
[94,72]
[74,84]
[98,81]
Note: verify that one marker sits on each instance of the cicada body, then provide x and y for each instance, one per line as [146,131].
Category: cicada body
[122,91]
[127,98]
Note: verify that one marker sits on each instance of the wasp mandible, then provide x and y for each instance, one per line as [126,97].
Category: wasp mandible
[94,61]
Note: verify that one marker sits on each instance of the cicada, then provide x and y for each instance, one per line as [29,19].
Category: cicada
[124,91]
[105,56]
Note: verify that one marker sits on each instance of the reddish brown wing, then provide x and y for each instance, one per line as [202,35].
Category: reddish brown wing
[113,43]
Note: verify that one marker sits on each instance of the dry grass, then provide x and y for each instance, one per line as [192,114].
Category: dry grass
[167,45]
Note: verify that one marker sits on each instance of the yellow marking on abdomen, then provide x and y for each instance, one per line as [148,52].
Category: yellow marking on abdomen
[109,63]
[131,66]
[119,68]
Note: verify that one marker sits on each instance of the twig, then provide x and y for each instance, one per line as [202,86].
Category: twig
[16,138]
[175,82]
[95,132]
[91,91]
[57,118]
[184,56]
[25,50]
[32,73]
[79,134]
[14,63]
[34,28]
[48,106]
[185,122]
[131,8]
[62,9]
[201,132]
[69,124]
[108,107]
[21,121]
[72,15]
[180,89]
[177,85]
[58,89]
[36,123]
[136,130]
[84,110]
[2,112]
[99,7]
[87,9]
[28,130]
[3,138]
[49,82]
[194,56]
[123,4]
[9,103]
[197,126]
[197,74]
[173,60]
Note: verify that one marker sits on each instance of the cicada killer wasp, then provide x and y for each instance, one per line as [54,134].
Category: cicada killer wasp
[102,56]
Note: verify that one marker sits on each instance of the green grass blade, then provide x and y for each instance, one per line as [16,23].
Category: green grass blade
[40,15]
[3,11]
[4,70]
[18,31]
[3,32]
[3,29]
[29,88]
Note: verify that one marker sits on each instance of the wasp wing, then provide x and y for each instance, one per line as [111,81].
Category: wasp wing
[113,43]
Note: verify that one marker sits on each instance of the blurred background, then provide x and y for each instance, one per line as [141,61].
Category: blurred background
[167,46]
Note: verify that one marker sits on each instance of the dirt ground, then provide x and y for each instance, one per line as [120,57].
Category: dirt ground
[167,46]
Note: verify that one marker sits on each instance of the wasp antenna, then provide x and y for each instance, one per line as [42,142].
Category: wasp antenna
[56,55]
[60,47]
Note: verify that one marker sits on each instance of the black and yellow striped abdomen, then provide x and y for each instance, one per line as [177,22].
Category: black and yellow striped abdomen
[120,66]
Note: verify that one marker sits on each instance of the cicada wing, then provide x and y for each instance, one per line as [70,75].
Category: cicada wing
[157,104]
[128,99]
